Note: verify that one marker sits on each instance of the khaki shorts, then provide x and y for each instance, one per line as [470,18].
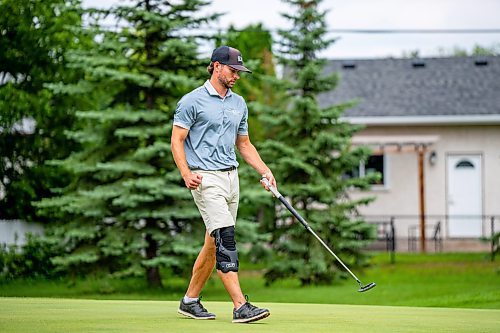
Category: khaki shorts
[217,198]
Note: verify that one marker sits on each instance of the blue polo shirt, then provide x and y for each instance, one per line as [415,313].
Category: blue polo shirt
[214,123]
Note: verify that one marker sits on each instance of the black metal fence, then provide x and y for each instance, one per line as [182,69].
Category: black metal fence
[386,236]
[392,227]
[435,236]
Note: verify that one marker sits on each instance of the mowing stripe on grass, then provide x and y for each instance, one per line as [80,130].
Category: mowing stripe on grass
[70,315]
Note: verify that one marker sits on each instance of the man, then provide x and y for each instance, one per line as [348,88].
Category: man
[208,123]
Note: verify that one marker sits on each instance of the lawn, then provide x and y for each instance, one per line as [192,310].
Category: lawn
[433,280]
[66,315]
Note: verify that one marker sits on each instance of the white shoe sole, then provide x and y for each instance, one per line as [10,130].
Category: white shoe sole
[187,314]
[249,320]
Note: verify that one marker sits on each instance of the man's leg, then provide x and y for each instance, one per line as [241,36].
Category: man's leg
[232,284]
[227,268]
[203,268]
[190,305]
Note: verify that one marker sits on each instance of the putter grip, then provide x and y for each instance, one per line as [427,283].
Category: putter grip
[286,203]
[294,212]
[273,190]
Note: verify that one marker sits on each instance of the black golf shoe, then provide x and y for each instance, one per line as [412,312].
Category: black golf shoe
[194,310]
[248,313]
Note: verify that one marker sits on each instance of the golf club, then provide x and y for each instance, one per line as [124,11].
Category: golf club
[292,210]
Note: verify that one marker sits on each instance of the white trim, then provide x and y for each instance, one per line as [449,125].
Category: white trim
[426,120]
[386,172]
[385,140]
[181,125]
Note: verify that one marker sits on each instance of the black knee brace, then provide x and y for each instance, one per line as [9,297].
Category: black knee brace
[226,255]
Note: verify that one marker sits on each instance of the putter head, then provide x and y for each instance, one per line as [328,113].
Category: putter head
[367,287]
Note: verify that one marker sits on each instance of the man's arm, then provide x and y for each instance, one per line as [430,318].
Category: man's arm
[252,157]
[179,135]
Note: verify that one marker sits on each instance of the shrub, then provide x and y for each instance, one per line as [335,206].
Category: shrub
[31,260]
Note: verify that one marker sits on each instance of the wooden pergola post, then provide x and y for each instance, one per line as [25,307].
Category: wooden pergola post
[421,195]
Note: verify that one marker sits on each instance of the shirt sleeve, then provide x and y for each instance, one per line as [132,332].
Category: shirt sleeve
[243,128]
[185,114]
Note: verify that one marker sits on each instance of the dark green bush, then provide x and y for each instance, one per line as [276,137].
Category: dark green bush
[31,260]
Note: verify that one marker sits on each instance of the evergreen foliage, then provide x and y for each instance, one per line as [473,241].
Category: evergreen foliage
[255,44]
[126,210]
[310,153]
[34,39]
[29,261]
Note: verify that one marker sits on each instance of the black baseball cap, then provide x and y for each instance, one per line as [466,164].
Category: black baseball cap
[229,56]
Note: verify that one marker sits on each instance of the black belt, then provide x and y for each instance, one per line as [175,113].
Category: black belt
[227,169]
[221,170]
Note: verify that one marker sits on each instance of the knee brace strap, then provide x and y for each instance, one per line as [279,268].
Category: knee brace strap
[226,255]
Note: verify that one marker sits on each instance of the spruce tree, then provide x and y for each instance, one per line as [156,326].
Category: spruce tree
[34,39]
[310,153]
[126,210]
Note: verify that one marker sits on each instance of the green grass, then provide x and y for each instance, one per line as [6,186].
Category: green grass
[433,280]
[65,315]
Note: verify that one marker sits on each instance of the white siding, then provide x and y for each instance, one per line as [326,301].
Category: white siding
[401,197]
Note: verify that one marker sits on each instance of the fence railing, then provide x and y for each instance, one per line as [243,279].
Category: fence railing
[386,234]
[435,236]
[437,229]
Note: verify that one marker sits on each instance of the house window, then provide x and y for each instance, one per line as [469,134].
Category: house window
[464,164]
[375,163]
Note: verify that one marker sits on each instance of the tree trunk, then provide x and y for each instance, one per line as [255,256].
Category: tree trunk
[152,273]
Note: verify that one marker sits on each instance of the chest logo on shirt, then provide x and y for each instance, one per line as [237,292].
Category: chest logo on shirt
[232,112]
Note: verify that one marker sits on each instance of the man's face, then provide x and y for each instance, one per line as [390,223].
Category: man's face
[226,75]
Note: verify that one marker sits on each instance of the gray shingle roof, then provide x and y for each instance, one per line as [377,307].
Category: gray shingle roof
[394,87]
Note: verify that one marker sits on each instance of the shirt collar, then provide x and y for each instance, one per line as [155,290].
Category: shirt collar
[211,90]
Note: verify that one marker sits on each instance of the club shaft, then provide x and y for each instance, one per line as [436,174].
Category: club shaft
[306,225]
[333,254]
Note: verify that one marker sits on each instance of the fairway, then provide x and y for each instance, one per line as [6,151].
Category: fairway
[67,315]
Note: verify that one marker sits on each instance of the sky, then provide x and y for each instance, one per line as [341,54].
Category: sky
[373,15]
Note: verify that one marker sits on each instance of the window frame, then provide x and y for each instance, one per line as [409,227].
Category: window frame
[385,172]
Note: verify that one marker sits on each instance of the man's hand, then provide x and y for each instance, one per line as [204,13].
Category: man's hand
[269,176]
[192,180]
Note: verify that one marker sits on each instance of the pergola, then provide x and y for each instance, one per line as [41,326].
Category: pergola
[394,144]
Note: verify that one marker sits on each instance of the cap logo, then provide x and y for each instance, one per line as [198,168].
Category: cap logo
[228,56]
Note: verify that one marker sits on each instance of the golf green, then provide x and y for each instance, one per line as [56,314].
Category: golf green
[75,315]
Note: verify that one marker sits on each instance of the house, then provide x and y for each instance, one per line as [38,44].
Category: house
[15,232]
[434,127]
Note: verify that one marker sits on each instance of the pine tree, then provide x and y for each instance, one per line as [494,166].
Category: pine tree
[127,211]
[34,37]
[311,154]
